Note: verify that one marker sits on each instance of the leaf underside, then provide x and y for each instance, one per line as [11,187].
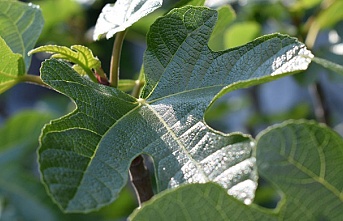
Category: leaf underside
[303,159]
[121,15]
[110,128]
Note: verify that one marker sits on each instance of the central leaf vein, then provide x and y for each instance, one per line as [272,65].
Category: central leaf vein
[181,145]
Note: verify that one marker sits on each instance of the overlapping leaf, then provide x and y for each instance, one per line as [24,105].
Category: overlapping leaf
[11,67]
[82,57]
[20,26]
[304,160]
[85,156]
[199,202]
[121,15]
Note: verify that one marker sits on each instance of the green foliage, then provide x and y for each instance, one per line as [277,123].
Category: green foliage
[241,33]
[23,196]
[198,202]
[121,15]
[200,173]
[25,193]
[305,161]
[20,25]
[66,9]
[225,17]
[329,17]
[166,122]
[82,57]
[17,139]
[13,67]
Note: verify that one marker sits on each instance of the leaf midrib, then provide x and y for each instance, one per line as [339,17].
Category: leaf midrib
[181,145]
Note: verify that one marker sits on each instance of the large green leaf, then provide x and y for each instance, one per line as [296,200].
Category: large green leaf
[20,27]
[305,161]
[11,67]
[198,202]
[85,156]
[121,15]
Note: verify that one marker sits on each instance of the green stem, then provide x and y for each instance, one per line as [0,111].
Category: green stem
[137,88]
[89,73]
[115,60]
[29,78]
[139,83]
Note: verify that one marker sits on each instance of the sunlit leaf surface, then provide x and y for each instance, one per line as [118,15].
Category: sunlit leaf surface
[121,15]
[303,159]
[85,156]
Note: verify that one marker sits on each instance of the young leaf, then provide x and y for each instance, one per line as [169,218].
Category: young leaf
[121,15]
[82,57]
[198,202]
[305,160]
[11,67]
[20,26]
[110,128]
